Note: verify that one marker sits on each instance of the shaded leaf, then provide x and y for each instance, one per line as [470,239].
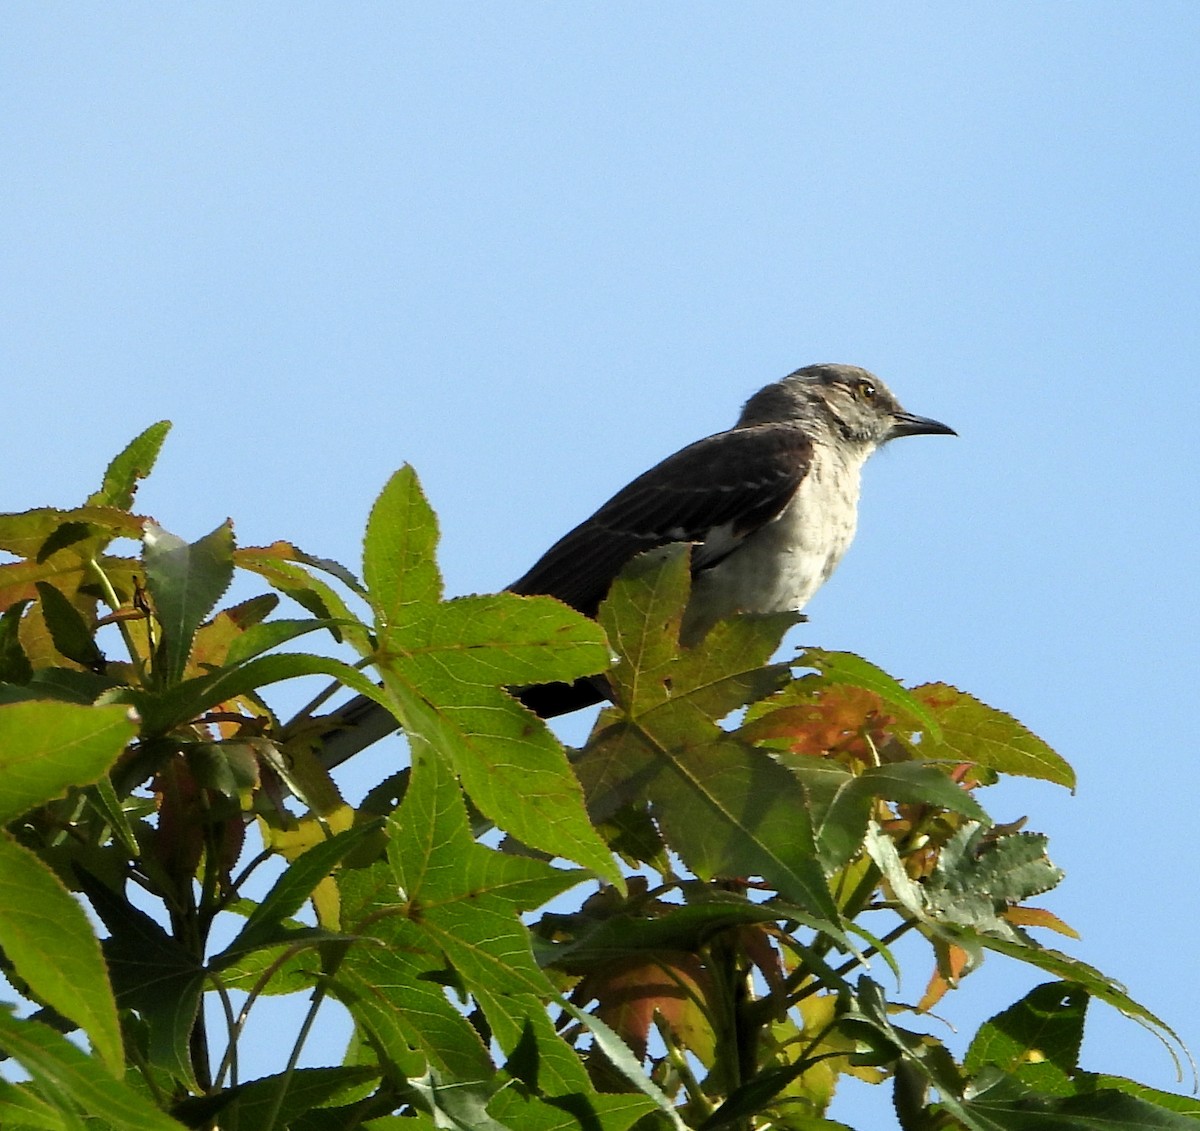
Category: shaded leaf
[1006,1104]
[1185,1105]
[727,807]
[916,1057]
[287,895]
[153,974]
[14,664]
[1037,1039]
[1098,985]
[71,634]
[277,1100]
[185,581]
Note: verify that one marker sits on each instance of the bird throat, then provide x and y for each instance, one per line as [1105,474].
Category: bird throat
[784,562]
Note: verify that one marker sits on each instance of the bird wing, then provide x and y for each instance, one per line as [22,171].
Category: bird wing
[714,493]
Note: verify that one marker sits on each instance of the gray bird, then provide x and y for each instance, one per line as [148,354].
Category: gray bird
[769,507]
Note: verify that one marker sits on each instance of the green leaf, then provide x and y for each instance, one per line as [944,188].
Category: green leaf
[281,564]
[1184,1105]
[625,1062]
[400,552]
[445,664]
[278,1100]
[38,536]
[391,982]
[74,1082]
[1037,1039]
[842,802]
[185,582]
[14,664]
[727,807]
[1006,1104]
[264,926]
[134,463]
[1098,985]
[442,908]
[261,638]
[847,668]
[71,634]
[974,732]
[47,937]
[20,1108]
[161,711]
[468,898]
[588,1111]
[152,973]
[47,747]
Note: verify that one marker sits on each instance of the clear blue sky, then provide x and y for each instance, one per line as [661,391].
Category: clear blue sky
[533,248]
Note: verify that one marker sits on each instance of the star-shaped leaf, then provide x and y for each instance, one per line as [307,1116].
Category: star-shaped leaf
[441,910]
[726,806]
[445,665]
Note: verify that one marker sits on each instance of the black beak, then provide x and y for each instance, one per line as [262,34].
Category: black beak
[906,424]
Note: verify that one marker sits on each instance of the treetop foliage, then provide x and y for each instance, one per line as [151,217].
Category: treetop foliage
[687,922]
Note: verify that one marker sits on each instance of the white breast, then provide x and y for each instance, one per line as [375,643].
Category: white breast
[782,564]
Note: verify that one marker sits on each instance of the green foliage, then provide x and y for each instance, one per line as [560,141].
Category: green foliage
[741,837]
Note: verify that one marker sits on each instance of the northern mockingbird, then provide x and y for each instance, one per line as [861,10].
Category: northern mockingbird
[769,507]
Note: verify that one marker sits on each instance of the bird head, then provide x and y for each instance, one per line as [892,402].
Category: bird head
[843,402]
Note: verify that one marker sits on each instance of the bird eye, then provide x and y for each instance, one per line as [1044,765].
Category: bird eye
[866,390]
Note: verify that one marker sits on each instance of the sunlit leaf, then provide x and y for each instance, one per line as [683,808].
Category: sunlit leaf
[46,936]
[974,732]
[75,1082]
[849,669]
[47,747]
[135,462]
[445,665]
